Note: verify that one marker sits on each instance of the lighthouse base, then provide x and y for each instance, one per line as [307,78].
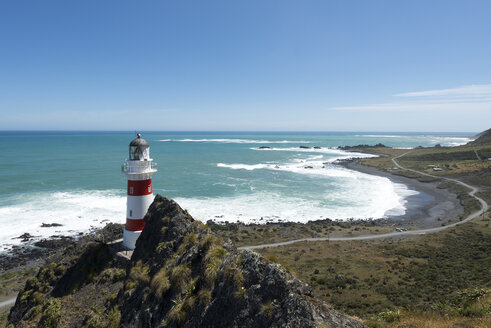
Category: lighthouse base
[129,238]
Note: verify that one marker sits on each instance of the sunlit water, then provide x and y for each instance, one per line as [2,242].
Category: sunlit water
[74,178]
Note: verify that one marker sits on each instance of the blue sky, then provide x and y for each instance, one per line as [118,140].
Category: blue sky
[245,65]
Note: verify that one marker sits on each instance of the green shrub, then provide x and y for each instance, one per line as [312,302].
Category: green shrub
[114,317]
[38,298]
[51,314]
[272,258]
[388,316]
[119,275]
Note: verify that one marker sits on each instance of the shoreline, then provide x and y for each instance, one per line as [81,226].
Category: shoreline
[431,208]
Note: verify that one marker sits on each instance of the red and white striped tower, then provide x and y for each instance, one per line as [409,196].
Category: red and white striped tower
[139,168]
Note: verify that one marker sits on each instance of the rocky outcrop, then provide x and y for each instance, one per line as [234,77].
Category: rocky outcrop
[180,275]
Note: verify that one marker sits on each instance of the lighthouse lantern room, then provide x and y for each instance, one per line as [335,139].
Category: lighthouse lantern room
[138,168]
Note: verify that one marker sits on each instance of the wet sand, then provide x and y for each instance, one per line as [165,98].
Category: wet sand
[430,208]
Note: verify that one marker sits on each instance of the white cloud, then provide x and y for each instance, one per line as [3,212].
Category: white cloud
[483,90]
[474,98]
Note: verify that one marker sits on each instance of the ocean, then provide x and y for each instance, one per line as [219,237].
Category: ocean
[74,178]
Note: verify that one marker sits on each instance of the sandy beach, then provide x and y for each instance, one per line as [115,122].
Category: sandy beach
[430,208]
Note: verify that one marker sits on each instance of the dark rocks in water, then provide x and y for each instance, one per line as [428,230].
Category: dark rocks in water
[179,275]
[55,242]
[25,237]
[49,225]
[317,147]
[308,167]
[304,147]
[264,147]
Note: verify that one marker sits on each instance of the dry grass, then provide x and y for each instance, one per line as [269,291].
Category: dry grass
[429,319]
[364,278]
[139,272]
[160,283]
[180,276]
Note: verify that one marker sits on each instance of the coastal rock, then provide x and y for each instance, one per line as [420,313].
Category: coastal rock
[179,275]
[264,147]
[49,225]
[25,237]
[304,147]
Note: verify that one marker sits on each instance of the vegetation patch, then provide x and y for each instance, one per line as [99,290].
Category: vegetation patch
[365,278]
[160,283]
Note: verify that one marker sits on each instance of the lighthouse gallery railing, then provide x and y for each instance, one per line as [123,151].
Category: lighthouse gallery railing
[138,166]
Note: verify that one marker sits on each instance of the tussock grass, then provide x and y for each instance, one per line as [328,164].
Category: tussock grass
[180,276]
[213,261]
[267,309]
[204,296]
[139,273]
[161,246]
[178,313]
[233,273]
[160,283]
[208,241]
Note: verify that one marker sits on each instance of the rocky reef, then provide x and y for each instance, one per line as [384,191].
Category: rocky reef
[179,275]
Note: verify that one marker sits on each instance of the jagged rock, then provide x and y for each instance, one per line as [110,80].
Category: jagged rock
[179,275]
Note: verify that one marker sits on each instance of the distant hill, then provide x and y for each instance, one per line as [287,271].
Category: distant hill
[482,138]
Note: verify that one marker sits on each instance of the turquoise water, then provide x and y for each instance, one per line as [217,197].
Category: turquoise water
[74,178]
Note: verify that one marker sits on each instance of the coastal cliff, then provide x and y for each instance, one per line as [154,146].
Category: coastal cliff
[180,275]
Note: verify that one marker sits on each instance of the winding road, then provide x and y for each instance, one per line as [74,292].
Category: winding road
[484,208]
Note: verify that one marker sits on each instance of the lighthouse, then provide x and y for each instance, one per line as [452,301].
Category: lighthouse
[138,168]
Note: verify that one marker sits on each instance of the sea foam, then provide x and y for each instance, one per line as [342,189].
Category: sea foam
[76,211]
[351,194]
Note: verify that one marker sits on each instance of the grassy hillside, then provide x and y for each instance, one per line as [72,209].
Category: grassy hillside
[444,274]
[483,138]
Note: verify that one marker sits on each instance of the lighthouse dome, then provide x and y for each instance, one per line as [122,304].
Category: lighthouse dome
[139,149]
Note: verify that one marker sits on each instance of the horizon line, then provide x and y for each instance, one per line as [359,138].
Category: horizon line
[238,131]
